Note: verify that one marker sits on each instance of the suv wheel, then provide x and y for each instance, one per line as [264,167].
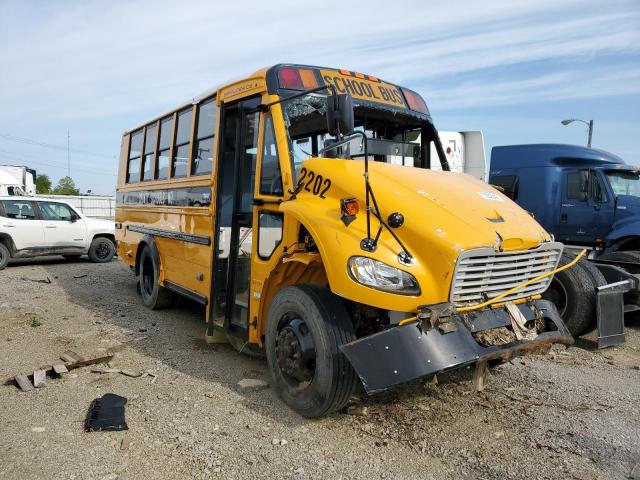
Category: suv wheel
[101,250]
[5,255]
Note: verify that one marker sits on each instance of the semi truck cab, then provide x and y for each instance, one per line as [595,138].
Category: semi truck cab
[584,196]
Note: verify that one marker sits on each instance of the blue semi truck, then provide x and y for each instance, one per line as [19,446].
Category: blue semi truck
[587,198]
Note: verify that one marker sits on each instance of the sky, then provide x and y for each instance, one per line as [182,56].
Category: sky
[513,69]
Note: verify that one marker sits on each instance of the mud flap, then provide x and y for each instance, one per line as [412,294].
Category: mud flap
[610,313]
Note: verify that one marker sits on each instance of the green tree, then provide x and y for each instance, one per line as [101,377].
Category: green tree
[43,184]
[66,186]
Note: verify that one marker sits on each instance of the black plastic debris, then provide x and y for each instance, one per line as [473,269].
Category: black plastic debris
[106,414]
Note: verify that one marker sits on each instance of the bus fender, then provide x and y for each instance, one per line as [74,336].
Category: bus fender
[307,219]
[148,241]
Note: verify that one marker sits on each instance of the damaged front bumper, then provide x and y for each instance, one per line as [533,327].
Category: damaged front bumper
[405,353]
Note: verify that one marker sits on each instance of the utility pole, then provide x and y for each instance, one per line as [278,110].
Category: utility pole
[590,133]
[68,162]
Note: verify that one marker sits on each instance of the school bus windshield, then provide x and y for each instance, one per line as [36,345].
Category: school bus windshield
[393,137]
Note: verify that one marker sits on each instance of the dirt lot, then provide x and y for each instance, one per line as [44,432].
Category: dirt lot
[573,414]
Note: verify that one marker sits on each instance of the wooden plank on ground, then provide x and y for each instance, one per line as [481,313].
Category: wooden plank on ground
[39,379]
[107,357]
[60,368]
[71,356]
[23,382]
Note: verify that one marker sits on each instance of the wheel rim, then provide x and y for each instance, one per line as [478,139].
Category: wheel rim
[102,250]
[148,279]
[557,294]
[295,352]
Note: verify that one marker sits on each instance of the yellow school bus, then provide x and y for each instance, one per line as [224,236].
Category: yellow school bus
[299,207]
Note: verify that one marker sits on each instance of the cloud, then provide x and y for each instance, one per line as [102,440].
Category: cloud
[96,59]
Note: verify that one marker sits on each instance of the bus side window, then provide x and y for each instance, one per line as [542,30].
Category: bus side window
[183,142]
[270,175]
[135,151]
[164,147]
[203,151]
[149,152]
[269,233]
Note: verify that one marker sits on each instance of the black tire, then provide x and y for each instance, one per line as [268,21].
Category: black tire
[153,295]
[5,255]
[631,256]
[102,250]
[573,292]
[330,379]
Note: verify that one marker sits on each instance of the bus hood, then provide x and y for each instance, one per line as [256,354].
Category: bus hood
[444,213]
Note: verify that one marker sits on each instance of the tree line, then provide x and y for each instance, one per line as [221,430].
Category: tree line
[65,186]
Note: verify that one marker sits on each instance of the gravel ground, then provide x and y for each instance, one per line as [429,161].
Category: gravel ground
[572,414]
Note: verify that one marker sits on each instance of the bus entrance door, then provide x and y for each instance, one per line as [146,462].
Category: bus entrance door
[234,217]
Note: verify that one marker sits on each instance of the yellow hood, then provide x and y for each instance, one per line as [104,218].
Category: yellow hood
[445,213]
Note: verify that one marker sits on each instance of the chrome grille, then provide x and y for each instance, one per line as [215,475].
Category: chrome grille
[483,273]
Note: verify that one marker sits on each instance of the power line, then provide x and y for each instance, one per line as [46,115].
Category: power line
[38,162]
[38,143]
[29,158]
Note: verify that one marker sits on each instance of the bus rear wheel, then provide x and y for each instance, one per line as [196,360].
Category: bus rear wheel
[306,326]
[153,295]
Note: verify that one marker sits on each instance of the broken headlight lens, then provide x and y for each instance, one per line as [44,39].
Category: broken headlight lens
[372,273]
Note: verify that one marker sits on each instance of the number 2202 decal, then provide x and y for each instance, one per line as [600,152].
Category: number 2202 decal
[313,183]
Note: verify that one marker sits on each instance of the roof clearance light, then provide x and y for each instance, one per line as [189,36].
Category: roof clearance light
[415,101]
[297,78]
[308,78]
[290,78]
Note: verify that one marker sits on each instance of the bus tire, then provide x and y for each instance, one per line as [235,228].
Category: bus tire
[102,250]
[5,255]
[153,294]
[306,326]
[573,292]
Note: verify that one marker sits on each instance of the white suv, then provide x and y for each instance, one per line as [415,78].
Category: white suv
[31,227]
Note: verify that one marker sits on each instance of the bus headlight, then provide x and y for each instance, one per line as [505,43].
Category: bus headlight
[372,273]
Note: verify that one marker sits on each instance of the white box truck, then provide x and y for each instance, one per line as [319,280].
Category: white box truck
[17,180]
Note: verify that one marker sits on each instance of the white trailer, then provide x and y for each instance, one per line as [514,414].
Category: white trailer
[464,152]
[17,175]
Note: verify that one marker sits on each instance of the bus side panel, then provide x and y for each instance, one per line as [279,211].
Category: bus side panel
[186,263]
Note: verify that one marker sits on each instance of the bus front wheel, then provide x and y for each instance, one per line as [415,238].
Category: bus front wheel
[153,295]
[306,326]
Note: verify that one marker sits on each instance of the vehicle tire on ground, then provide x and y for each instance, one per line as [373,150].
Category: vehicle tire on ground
[5,255]
[631,256]
[102,250]
[573,292]
[153,295]
[306,326]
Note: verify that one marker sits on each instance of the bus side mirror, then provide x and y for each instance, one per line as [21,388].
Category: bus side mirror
[339,114]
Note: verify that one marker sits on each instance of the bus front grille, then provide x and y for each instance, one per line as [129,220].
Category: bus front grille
[483,273]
